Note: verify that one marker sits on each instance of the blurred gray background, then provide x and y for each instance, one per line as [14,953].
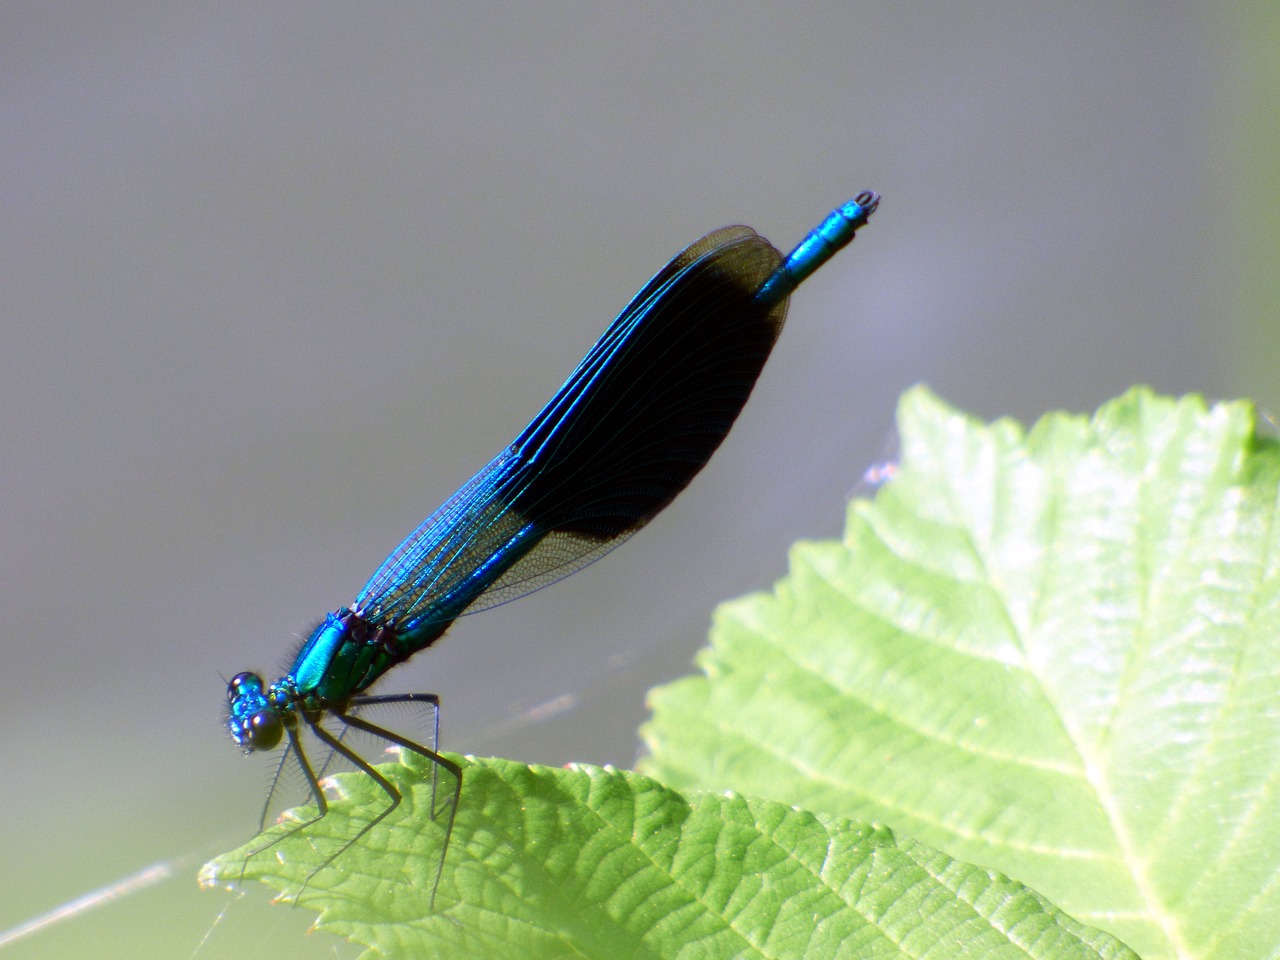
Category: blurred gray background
[276,278]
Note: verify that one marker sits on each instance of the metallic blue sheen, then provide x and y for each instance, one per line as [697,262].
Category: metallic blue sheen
[626,432]
[822,243]
[316,656]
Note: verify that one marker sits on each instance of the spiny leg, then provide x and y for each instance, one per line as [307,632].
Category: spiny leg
[394,795]
[428,698]
[322,805]
[435,758]
[275,783]
[329,755]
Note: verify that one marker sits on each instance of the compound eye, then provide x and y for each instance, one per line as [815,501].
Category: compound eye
[264,730]
[243,683]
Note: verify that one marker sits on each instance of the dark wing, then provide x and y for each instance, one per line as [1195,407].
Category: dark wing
[628,430]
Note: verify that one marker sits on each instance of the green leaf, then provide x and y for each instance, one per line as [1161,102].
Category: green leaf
[1056,654]
[590,862]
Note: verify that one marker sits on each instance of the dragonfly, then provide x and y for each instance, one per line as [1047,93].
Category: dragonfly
[631,427]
